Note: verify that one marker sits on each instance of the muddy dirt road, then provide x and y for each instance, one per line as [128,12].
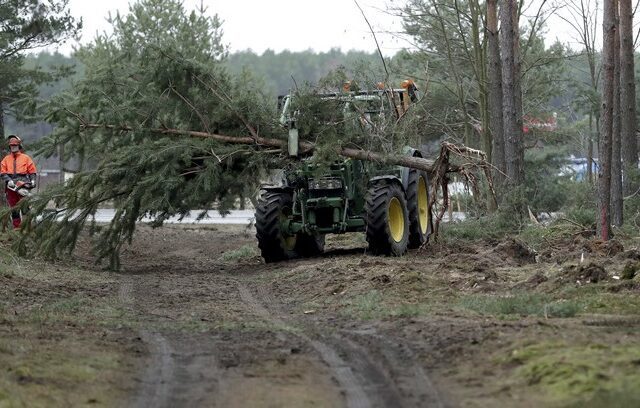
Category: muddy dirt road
[216,333]
[196,319]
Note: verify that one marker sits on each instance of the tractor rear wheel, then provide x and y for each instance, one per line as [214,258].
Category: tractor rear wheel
[418,206]
[387,220]
[273,209]
[309,245]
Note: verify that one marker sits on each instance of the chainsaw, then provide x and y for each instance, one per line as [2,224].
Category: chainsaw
[23,188]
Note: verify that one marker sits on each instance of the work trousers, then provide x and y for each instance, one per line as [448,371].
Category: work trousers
[13,199]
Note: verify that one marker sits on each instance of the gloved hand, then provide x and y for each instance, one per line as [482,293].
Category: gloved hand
[11,184]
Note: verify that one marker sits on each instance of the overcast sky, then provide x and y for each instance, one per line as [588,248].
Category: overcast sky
[295,25]
[299,25]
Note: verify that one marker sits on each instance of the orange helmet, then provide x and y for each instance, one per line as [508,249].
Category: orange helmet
[14,140]
[407,83]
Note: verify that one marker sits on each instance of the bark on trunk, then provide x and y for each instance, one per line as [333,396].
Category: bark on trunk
[616,164]
[590,150]
[495,93]
[627,97]
[511,92]
[603,222]
[3,198]
[2,125]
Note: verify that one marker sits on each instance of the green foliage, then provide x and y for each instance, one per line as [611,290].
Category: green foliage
[538,237]
[161,68]
[25,25]
[286,71]
[632,212]
[545,189]
[493,226]
[521,304]
[580,205]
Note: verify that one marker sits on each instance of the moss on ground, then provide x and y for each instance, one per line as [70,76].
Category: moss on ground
[589,373]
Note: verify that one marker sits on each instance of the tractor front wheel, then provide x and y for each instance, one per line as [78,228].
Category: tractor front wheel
[387,220]
[273,210]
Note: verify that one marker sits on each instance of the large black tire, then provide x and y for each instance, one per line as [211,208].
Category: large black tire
[272,210]
[309,245]
[387,220]
[418,206]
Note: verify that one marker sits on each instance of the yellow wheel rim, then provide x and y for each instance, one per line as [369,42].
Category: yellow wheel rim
[423,205]
[289,243]
[396,219]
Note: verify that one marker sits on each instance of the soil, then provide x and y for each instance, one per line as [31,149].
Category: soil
[205,322]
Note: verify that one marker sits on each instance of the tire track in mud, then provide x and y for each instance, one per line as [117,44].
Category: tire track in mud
[182,369]
[363,382]
[400,360]
[157,380]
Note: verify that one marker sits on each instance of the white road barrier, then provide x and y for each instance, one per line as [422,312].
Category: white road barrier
[239,217]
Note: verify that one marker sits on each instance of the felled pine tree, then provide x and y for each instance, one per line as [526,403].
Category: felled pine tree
[161,68]
[160,128]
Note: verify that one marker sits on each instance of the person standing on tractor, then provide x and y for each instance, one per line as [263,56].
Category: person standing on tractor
[18,171]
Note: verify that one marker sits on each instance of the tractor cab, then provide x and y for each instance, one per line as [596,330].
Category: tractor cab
[356,110]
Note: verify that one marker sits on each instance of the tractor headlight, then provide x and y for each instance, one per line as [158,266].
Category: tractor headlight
[325,184]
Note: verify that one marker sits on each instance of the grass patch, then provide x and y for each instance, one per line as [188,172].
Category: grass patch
[595,374]
[612,303]
[244,252]
[627,396]
[472,230]
[599,300]
[371,306]
[79,310]
[59,344]
[520,304]
[41,375]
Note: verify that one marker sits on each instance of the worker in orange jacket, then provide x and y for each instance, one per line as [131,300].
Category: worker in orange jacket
[17,171]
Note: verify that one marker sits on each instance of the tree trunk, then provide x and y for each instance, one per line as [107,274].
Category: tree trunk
[603,222]
[627,99]
[61,163]
[305,147]
[1,125]
[590,150]
[495,93]
[616,163]
[479,60]
[3,197]
[511,93]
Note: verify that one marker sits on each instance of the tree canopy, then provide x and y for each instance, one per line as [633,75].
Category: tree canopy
[26,25]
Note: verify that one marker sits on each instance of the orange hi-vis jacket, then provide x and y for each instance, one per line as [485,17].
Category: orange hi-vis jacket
[17,166]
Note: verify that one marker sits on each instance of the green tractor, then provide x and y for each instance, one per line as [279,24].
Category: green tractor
[389,204]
